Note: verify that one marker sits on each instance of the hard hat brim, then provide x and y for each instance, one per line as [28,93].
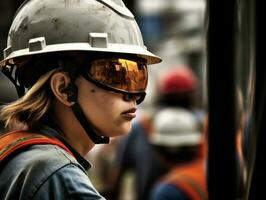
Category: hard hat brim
[178,140]
[112,48]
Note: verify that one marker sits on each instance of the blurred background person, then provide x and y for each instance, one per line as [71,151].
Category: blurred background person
[178,144]
[179,86]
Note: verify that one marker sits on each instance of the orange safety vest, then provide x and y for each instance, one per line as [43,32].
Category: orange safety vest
[16,141]
[190,178]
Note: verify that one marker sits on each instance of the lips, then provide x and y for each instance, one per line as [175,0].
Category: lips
[131,113]
[132,110]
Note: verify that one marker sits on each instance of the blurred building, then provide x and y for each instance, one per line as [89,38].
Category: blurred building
[174,29]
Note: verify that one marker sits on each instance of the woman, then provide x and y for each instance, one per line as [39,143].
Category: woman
[84,76]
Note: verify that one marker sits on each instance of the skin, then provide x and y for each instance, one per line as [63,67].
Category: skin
[107,111]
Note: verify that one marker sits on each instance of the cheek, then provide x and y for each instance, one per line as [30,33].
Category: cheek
[98,106]
[107,115]
[109,110]
[104,105]
[104,109]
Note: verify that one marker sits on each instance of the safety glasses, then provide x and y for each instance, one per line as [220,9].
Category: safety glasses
[119,75]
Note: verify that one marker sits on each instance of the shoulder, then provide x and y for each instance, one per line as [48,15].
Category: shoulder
[48,157]
[165,191]
[27,171]
[70,183]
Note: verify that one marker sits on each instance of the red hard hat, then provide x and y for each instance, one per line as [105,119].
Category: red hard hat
[178,80]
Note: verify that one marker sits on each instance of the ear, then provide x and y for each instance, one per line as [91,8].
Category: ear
[58,82]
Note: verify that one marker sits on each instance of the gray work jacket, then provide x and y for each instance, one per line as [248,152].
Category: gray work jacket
[46,172]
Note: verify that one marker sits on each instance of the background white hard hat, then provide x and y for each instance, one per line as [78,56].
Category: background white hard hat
[175,127]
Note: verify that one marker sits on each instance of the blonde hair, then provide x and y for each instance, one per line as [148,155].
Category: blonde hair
[27,110]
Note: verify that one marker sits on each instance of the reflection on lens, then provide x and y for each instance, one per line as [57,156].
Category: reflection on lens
[121,74]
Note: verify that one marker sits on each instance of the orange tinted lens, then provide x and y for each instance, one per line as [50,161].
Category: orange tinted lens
[122,74]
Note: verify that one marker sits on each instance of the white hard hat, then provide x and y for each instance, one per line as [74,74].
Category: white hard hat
[175,127]
[96,26]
